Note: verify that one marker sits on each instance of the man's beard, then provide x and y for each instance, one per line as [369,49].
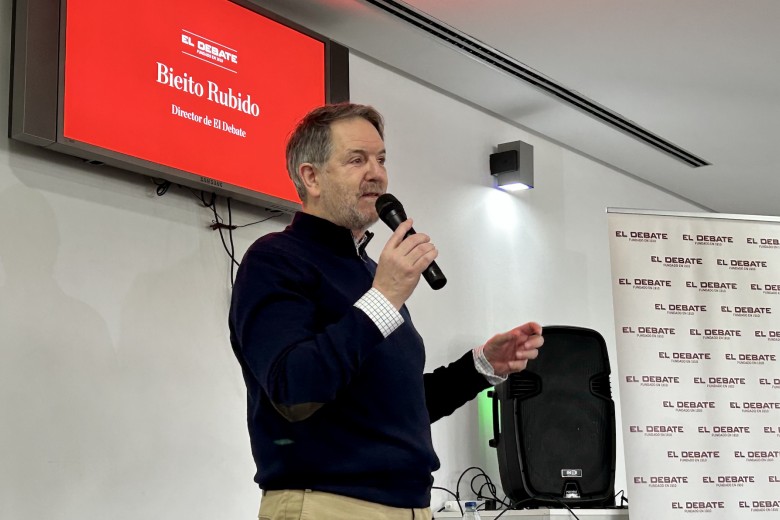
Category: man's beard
[342,205]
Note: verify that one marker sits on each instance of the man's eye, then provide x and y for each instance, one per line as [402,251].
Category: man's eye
[381,160]
[356,160]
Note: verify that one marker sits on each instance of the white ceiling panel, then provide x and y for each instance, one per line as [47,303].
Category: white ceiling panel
[702,74]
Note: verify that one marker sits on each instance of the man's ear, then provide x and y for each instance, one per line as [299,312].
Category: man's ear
[311,177]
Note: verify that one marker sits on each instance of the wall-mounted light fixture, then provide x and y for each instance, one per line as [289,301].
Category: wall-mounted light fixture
[513,166]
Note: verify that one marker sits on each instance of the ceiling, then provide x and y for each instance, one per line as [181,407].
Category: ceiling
[702,74]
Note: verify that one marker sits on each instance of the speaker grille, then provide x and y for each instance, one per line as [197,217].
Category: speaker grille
[566,426]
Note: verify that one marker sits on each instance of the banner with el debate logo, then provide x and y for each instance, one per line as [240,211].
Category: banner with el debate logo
[697,318]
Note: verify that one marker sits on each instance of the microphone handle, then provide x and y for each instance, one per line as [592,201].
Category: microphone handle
[432,274]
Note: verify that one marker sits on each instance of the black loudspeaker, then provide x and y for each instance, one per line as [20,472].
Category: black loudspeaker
[554,424]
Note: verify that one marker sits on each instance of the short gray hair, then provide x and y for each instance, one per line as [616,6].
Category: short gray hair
[310,140]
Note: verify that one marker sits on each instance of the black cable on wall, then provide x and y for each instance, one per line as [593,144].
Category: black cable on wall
[218,223]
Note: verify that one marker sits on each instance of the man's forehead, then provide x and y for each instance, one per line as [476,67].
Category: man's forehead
[356,134]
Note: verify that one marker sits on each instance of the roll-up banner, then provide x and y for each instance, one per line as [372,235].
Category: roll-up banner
[697,319]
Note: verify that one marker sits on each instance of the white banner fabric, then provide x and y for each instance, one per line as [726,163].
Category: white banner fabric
[697,319]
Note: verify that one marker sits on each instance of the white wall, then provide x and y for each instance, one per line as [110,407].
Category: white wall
[119,394]
[537,255]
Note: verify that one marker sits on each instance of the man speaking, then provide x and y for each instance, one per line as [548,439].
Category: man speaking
[339,410]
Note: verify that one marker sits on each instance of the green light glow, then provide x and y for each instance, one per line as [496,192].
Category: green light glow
[485,410]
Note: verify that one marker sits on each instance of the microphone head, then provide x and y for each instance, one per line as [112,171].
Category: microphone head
[387,203]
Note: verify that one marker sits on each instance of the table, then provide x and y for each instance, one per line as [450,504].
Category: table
[546,514]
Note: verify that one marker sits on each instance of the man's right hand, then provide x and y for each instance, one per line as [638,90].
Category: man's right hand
[401,264]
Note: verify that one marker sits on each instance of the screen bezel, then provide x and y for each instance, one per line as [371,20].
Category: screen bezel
[97,154]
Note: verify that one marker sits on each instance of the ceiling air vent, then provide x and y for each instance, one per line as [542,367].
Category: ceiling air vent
[486,54]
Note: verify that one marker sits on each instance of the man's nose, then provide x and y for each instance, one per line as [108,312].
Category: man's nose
[375,171]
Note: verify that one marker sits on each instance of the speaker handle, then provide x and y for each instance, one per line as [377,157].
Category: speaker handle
[493,443]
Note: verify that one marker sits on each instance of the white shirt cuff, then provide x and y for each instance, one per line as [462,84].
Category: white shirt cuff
[381,311]
[484,367]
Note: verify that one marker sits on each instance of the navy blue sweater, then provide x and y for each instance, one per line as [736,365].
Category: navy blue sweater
[332,405]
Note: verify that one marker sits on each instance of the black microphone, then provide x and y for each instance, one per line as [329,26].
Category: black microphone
[392,213]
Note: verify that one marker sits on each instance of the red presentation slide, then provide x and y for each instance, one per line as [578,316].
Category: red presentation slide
[204,86]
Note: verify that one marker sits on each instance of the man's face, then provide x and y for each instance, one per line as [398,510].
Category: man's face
[355,174]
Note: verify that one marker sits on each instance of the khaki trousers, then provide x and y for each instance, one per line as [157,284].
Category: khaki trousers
[315,505]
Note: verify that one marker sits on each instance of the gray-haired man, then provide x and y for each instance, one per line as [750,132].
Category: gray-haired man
[339,409]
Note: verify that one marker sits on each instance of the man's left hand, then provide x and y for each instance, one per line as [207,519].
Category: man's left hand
[509,352]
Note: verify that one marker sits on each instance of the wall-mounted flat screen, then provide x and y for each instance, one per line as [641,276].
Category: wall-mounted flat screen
[202,92]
